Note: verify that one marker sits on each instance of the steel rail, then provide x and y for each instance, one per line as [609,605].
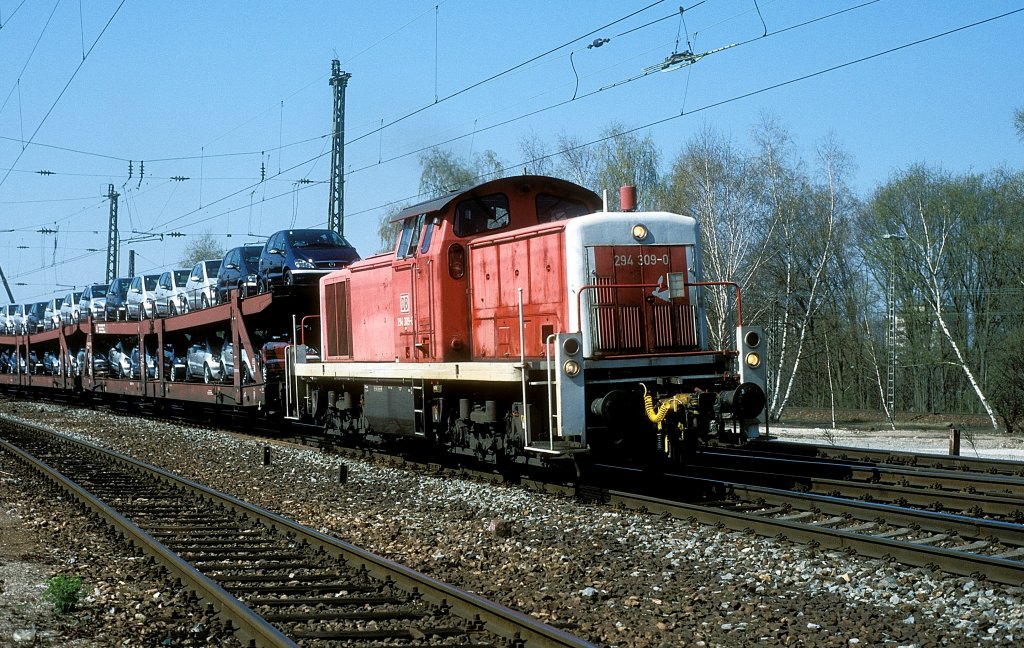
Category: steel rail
[989,503]
[495,618]
[897,457]
[250,627]
[964,563]
[1007,533]
[957,562]
[971,481]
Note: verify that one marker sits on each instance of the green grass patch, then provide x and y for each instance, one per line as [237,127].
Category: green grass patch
[63,592]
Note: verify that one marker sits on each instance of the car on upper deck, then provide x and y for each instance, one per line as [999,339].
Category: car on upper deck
[303,256]
[116,307]
[201,286]
[141,292]
[170,297]
[93,302]
[7,319]
[51,317]
[69,307]
[239,271]
[35,317]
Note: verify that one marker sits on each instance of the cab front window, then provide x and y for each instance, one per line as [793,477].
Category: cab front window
[481,214]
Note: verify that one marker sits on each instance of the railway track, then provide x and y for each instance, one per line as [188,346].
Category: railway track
[954,543]
[273,581]
[851,455]
[995,496]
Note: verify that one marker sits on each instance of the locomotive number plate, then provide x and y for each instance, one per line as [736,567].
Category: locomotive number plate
[641,259]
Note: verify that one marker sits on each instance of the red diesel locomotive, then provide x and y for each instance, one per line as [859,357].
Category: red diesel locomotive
[519,322]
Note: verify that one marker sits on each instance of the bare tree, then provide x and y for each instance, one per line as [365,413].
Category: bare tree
[576,161]
[808,242]
[931,243]
[625,158]
[201,248]
[537,156]
[710,181]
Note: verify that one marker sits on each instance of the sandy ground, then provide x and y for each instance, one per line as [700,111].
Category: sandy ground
[972,444]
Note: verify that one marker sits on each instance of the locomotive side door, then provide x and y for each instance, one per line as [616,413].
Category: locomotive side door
[414,290]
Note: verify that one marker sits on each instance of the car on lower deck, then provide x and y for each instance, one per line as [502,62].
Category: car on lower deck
[203,361]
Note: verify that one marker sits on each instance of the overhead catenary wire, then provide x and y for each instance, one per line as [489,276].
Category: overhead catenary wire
[64,89]
[690,112]
[670,118]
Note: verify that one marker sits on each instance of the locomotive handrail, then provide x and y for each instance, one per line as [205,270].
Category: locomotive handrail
[302,327]
[579,296]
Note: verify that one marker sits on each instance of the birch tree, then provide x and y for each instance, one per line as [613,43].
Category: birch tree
[710,181]
[809,220]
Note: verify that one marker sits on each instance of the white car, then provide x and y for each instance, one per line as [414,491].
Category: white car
[7,318]
[69,307]
[93,302]
[170,298]
[51,317]
[201,360]
[141,292]
[202,284]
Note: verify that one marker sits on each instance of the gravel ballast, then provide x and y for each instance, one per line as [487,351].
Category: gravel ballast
[616,578]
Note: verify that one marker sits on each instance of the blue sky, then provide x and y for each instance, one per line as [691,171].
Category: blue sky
[212,91]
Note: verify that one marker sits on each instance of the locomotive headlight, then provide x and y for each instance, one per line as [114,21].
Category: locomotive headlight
[571,368]
[571,346]
[640,232]
[753,359]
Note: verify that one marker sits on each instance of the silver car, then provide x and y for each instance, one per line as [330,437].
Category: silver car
[51,317]
[202,360]
[93,302]
[119,363]
[170,297]
[227,363]
[141,292]
[69,307]
[7,318]
[202,284]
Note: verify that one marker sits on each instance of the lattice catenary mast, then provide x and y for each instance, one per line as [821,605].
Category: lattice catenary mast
[112,236]
[336,207]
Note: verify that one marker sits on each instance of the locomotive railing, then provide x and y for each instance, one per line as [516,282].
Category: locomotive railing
[643,325]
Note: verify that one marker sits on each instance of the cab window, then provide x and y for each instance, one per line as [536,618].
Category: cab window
[555,208]
[428,234]
[411,229]
[481,214]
